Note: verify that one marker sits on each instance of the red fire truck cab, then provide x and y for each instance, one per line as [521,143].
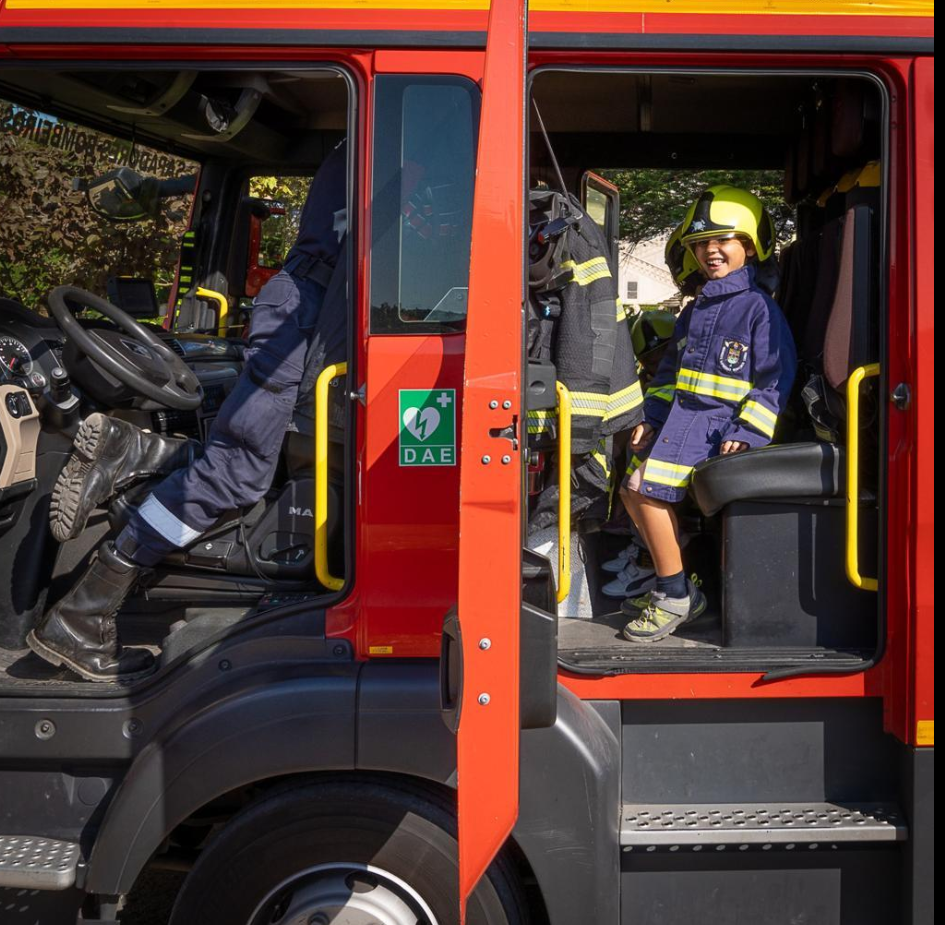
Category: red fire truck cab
[375,700]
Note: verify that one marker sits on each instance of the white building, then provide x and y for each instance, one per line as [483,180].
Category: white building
[643,278]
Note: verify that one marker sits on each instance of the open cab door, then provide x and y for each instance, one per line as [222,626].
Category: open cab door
[485,635]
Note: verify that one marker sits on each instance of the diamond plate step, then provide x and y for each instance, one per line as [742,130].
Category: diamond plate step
[760,824]
[31,862]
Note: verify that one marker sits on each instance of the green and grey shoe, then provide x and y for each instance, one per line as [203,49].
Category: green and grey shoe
[633,606]
[663,615]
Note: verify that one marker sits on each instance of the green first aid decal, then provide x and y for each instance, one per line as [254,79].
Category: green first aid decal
[427,427]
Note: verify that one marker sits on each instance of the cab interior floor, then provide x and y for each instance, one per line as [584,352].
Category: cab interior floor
[147,626]
[597,645]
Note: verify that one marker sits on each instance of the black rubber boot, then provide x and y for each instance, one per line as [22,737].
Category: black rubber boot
[80,631]
[108,455]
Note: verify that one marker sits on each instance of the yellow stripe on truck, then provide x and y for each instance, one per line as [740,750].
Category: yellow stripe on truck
[720,7]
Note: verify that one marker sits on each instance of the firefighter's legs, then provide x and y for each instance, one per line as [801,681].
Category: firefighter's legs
[236,469]
[242,448]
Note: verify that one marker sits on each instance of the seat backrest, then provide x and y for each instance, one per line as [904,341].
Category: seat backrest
[329,345]
[848,334]
[820,273]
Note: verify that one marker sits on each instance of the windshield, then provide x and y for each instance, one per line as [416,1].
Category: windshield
[50,235]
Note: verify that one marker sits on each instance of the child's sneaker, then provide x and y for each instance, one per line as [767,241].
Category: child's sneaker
[635,578]
[619,563]
[633,605]
[663,615]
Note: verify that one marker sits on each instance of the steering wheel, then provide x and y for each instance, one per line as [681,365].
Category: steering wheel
[132,354]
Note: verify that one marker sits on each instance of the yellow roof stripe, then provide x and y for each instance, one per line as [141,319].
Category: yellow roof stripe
[720,7]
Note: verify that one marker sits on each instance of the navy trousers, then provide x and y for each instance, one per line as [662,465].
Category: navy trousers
[242,449]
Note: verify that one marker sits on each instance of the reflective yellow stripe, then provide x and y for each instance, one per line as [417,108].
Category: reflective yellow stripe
[749,417]
[665,473]
[586,273]
[925,732]
[759,416]
[691,380]
[635,463]
[662,392]
[540,421]
[588,404]
[623,401]
[601,459]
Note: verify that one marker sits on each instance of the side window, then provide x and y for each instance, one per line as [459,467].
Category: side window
[273,212]
[425,133]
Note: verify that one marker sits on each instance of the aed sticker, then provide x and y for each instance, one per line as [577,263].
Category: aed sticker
[427,427]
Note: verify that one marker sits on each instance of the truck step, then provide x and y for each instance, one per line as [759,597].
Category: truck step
[31,862]
[781,824]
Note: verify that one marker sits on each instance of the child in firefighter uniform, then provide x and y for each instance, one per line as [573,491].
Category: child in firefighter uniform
[720,388]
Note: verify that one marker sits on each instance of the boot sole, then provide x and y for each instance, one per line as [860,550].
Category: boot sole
[68,492]
[60,660]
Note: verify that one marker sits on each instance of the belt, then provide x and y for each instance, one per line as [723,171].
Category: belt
[305,266]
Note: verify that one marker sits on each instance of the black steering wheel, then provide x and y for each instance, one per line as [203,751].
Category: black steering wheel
[132,354]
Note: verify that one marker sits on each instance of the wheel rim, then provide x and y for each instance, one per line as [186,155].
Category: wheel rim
[343,894]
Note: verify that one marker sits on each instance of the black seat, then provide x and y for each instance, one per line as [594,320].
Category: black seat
[791,470]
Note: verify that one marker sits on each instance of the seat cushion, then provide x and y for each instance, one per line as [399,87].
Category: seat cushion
[790,470]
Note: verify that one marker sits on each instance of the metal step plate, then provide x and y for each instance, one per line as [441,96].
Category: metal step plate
[760,824]
[32,862]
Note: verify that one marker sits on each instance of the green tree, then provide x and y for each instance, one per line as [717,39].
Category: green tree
[653,202]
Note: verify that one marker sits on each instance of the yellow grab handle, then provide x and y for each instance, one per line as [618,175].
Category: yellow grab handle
[223,307]
[564,491]
[853,477]
[321,475]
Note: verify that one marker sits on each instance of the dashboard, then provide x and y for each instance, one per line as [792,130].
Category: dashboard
[32,345]
[29,353]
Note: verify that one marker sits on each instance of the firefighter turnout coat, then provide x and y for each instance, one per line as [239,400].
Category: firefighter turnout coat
[584,331]
[727,375]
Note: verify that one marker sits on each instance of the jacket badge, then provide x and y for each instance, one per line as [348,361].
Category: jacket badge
[734,355]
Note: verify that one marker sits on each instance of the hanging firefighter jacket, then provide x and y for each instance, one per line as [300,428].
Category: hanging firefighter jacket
[575,321]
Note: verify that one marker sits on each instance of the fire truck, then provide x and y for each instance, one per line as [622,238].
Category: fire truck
[370,705]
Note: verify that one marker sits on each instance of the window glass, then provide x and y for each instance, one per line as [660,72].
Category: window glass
[51,233]
[425,133]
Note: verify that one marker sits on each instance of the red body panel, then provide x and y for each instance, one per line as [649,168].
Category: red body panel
[922,668]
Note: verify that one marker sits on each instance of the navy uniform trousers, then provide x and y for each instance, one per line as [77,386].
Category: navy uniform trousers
[242,448]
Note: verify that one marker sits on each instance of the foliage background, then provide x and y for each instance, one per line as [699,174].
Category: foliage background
[653,202]
[49,235]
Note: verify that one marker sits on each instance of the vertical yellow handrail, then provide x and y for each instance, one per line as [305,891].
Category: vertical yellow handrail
[564,491]
[223,307]
[321,475]
[853,477]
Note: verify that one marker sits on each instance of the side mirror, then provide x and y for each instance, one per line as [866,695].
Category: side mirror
[118,195]
[123,195]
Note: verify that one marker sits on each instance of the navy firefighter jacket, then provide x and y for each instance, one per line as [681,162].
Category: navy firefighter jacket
[727,375]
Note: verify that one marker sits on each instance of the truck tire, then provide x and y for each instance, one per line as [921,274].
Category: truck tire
[360,852]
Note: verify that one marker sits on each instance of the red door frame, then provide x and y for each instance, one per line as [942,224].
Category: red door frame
[490,542]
